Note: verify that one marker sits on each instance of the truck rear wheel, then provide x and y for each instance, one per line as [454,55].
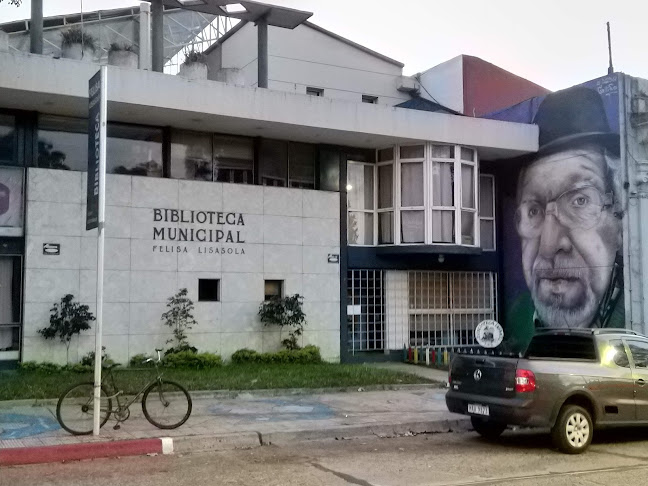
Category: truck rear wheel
[573,430]
[487,428]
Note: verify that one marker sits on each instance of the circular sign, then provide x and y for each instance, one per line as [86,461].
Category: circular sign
[489,333]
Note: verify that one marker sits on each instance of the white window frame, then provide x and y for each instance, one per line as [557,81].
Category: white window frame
[489,218]
[313,91]
[428,194]
[374,201]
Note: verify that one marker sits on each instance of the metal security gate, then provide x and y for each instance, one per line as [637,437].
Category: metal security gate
[365,310]
[445,307]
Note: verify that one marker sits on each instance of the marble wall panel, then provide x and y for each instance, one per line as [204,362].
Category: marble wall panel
[283,230]
[282,201]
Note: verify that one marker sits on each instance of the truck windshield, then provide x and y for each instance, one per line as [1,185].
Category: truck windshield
[565,346]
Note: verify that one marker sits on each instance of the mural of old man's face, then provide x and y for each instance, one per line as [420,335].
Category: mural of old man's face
[566,231]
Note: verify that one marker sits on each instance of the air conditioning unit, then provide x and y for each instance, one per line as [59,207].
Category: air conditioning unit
[407,85]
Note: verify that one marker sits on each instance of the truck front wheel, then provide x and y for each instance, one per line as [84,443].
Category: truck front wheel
[487,428]
[573,430]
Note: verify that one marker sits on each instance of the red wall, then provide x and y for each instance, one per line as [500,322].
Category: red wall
[488,88]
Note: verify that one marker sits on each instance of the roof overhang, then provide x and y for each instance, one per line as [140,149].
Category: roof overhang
[287,18]
[60,86]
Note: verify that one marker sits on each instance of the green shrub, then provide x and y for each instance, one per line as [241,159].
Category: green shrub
[188,359]
[78,368]
[307,354]
[88,359]
[47,368]
[137,361]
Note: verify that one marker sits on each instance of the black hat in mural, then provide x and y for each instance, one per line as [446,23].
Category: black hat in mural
[571,118]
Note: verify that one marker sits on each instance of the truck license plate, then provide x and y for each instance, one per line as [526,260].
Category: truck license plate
[478,409]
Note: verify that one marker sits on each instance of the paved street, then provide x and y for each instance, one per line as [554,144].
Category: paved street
[521,458]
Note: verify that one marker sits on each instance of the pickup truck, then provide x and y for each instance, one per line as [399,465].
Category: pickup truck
[572,381]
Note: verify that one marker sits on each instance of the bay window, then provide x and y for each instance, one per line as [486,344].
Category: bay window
[425,194]
[487,211]
[360,197]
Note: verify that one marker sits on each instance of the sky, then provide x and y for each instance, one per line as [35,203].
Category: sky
[554,43]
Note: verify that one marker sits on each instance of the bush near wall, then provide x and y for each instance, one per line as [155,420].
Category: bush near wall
[189,359]
[307,354]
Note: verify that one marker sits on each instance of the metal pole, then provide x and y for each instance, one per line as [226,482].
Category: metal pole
[145,36]
[610,67]
[36,27]
[262,54]
[157,35]
[100,248]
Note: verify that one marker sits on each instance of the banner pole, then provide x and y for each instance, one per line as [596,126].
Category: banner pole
[100,249]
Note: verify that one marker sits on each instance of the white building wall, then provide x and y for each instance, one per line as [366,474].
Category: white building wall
[444,84]
[305,57]
[288,235]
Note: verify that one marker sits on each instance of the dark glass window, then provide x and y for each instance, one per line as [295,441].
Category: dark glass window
[564,346]
[233,159]
[329,170]
[273,288]
[62,143]
[191,155]
[134,150]
[273,157]
[301,165]
[620,357]
[639,351]
[208,289]
[7,139]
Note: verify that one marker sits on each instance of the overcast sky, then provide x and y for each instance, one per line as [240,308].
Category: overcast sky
[555,43]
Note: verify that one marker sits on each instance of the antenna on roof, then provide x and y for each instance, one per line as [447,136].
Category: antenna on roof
[610,67]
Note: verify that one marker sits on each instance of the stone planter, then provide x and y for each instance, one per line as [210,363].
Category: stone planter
[74,51]
[194,70]
[127,59]
[230,76]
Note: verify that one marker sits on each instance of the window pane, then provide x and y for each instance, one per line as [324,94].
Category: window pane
[7,139]
[413,226]
[443,151]
[62,143]
[359,186]
[273,288]
[301,165]
[386,227]
[467,228]
[385,186]
[486,195]
[233,159]
[11,197]
[412,184]
[412,152]
[443,184]
[191,156]
[273,156]
[467,154]
[134,150]
[467,186]
[487,234]
[443,226]
[360,228]
[639,351]
[386,154]
[329,170]
[10,289]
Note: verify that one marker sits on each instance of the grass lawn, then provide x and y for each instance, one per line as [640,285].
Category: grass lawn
[16,385]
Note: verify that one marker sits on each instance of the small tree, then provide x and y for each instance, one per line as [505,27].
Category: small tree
[180,319]
[67,319]
[285,312]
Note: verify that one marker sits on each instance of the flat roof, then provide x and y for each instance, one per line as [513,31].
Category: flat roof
[288,18]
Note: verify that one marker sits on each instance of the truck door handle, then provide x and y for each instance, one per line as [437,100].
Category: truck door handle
[640,382]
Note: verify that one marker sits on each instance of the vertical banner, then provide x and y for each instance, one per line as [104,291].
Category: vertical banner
[94,150]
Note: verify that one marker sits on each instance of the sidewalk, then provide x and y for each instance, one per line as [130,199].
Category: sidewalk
[220,420]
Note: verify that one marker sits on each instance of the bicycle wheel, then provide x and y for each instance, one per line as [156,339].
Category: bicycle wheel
[75,408]
[166,404]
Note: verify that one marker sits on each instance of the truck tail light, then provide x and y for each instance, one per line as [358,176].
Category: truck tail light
[524,381]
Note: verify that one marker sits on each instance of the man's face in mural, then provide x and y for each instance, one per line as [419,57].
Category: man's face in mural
[569,234]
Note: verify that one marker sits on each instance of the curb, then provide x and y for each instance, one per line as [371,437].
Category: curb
[209,443]
[84,450]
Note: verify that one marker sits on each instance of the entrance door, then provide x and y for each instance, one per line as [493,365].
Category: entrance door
[10,286]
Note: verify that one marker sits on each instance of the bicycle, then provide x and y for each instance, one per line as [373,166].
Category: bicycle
[75,407]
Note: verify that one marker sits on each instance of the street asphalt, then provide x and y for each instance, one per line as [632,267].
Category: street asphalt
[29,431]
